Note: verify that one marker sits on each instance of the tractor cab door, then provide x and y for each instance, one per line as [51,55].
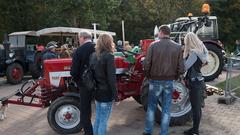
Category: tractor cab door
[209,32]
[17,45]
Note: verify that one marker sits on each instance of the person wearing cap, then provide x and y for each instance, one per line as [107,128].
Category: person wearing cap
[50,53]
[119,45]
[80,62]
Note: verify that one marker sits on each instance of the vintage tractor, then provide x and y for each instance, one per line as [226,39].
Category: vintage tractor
[206,27]
[18,56]
[57,90]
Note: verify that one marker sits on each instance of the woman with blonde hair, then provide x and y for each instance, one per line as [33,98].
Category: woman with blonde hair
[65,52]
[195,55]
[104,69]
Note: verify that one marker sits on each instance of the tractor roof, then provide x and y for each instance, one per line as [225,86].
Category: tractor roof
[67,31]
[26,33]
[194,18]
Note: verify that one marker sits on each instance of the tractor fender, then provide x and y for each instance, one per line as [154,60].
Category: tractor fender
[10,61]
[71,94]
[217,43]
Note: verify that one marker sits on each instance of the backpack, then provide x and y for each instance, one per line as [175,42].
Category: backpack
[88,78]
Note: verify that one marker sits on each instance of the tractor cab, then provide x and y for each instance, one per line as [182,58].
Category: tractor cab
[206,27]
[208,31]
[22,45]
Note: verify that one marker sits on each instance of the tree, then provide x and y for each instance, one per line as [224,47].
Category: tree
[228,14]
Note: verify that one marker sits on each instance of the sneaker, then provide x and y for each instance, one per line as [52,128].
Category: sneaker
[189,132]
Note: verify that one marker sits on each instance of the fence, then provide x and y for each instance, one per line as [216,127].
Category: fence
[232,88]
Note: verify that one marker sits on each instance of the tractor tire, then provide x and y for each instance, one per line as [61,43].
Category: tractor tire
[179,115]
[137,99]
[14,73]
[214,68]
[64,115]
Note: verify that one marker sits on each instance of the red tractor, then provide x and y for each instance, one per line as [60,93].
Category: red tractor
[57,90]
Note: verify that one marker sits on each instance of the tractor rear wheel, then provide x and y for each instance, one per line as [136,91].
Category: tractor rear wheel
[180,108]
[14,73]
[64,115]
[214,68]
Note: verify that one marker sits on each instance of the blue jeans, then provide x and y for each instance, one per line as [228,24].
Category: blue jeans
[159,91]
[103,111]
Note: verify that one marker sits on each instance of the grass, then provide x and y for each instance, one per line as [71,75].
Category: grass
[235,83]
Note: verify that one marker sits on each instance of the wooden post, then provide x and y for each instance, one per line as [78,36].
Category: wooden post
[123,33]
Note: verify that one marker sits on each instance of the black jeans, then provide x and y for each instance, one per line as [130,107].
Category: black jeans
[86,111]
[196,99]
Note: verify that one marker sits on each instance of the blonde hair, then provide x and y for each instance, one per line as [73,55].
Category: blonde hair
[192,42]
[65,51]
[104,43]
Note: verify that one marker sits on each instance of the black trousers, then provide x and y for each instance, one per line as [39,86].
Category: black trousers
[86,111]
[196,99]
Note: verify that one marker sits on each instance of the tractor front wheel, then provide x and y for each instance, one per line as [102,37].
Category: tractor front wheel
[14,73]
[64,115]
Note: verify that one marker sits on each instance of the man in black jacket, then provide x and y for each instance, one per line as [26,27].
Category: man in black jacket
[80,61]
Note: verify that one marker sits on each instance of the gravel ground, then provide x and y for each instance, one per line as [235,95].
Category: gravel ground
[127,118]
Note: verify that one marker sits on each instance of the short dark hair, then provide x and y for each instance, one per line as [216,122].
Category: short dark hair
[165,29]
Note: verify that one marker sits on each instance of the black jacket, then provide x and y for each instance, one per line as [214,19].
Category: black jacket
[195,70]
[105,75]
[79,59]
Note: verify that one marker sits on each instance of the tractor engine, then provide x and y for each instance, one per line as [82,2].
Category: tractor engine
[57,74]
[129,77]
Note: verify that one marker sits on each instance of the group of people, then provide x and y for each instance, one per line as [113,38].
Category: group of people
[165,62]
[50,51]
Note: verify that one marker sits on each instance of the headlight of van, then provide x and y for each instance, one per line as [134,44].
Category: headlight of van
[11,54]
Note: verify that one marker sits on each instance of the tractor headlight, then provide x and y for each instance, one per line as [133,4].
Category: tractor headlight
[11,54]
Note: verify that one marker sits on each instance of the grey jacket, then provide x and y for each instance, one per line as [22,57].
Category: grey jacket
[164,60]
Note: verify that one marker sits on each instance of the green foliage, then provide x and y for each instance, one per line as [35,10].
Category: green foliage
[140,16]
[235,83]
[228,14]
